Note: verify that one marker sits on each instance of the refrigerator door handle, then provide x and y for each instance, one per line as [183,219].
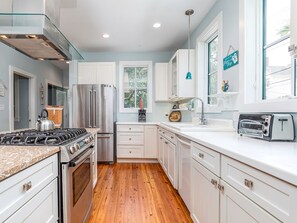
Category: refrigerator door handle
[94,108]
[90,109]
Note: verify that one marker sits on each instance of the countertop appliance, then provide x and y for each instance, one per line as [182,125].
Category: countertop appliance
[76,171]
[94,106]
[270,127]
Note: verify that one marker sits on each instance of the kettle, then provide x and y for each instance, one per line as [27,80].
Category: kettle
[43,124]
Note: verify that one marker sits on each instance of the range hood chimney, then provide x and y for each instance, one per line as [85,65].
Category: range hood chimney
[32,27]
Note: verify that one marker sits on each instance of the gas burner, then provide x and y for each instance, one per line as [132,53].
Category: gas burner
[33,137]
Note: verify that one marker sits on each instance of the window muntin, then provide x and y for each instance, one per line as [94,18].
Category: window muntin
[135,86]
[212,59]
[277,73]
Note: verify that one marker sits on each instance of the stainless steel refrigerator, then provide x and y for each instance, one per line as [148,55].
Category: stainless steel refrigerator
[94,106]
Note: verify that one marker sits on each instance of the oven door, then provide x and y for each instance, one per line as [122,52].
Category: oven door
[77,189]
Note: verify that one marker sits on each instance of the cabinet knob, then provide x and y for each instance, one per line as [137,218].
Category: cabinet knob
[214,182]
[27,186]
[129,138]
[201,155]
[221,188]
[129,128]
[130,151]
[161,138]
[248,183]
[171,137]
[166,142]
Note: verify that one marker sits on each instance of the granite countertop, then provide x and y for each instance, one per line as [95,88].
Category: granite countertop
[137,123]
[278,159]
[13,159]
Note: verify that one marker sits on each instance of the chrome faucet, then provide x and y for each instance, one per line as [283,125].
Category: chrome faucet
[202,118]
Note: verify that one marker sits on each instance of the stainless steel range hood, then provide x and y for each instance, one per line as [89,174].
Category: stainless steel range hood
[31,27]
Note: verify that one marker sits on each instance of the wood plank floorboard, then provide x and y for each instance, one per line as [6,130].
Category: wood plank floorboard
[136,193]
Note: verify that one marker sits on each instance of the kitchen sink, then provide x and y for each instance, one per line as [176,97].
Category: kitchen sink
[213,125]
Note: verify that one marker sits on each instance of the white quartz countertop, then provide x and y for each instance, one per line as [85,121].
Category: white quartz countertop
[275,158]
[137,123]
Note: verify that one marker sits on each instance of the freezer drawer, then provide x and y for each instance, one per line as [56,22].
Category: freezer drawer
[105,148]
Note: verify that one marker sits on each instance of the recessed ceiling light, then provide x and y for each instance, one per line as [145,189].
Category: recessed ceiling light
[67,61]
[105,35]
[157,25]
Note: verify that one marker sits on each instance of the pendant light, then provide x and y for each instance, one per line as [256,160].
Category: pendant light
[188,13]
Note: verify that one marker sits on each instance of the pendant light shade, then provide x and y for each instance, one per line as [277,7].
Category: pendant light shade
[188,13]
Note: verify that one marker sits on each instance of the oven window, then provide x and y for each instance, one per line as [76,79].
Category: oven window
[81,178]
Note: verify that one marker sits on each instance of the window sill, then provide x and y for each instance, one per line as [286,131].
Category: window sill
[134,111]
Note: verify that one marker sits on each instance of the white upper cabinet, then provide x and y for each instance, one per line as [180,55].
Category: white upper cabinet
[181,86]
[97,73]
[161,82]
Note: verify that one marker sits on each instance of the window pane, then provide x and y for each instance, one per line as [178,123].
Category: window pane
[141,77]
[277,19]
[129,98]
[213,55]
[129,77]
[278,70]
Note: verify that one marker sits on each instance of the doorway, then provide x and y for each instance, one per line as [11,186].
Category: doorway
[21,108]
[22,99]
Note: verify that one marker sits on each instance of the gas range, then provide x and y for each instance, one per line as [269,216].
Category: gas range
[72,141]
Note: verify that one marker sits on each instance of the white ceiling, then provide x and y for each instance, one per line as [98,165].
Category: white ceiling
[129,23]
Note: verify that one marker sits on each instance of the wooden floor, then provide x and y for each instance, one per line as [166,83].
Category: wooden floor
[129,193]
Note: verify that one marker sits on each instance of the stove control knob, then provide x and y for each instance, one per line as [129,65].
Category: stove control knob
[72,149]
[77,147]
[86,140]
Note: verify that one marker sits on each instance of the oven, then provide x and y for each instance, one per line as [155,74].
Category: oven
[77,188]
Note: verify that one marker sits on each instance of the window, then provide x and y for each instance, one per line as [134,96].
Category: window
[135,84]
[277,63]
[209,61]
[212,69]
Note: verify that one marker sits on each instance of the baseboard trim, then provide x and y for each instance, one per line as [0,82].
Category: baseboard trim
[136,160]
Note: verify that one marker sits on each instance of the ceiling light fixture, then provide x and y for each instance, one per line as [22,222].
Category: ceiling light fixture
[188,13]
[105,35]
[157,25]
[67,61]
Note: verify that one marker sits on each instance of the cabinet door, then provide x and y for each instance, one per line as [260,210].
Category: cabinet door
[165,156]
[161,149]
[87,73]
[172,164]
[150,142]
[41,208]
[161,82]
[235,206]
[205,202]
[174,83]
[106,73]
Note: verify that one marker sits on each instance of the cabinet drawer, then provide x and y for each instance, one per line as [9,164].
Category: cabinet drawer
[131,138]
[41,208]
[207,157]
[274,195]
[130,128]
[20,188]
[130,152]
[170,136]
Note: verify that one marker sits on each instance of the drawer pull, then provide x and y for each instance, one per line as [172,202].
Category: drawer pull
[161,138]
[27,186]
[130,139]
[201,155]
[163,132]
[129,128]
[248,183]
[221,187]
[214,182]
[130,151]
[166,142]
[172,137]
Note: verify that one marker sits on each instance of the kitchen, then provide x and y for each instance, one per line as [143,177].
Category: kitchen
[257,174]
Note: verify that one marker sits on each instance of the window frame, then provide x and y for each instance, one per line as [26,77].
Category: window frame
[215,28]
[250,95]
[122,65]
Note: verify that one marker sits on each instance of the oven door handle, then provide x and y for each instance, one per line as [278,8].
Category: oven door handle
[81,158]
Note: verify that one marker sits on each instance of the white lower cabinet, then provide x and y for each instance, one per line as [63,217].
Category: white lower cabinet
[137,141]
[238,193]
[31,195]
[235,207]
[205,195]
[168,155]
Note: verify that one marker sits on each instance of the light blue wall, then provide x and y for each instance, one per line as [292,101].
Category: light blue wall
[230,9]
[41,69]
[159,109]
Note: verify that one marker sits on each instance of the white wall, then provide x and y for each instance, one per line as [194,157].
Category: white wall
[41,69]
